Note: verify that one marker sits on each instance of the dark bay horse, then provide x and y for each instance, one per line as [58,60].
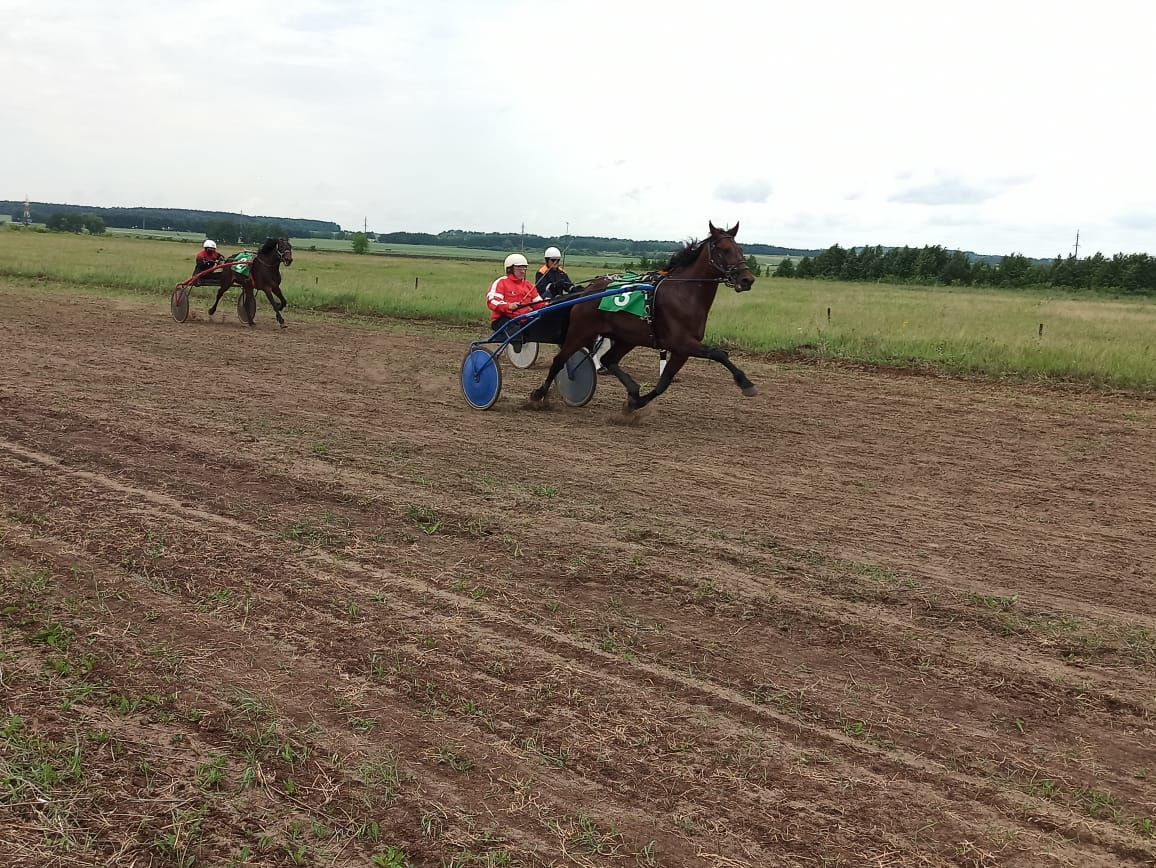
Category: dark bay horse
[264,274]
[682,303]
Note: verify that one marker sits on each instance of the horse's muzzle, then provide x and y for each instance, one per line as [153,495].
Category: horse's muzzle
[744,284]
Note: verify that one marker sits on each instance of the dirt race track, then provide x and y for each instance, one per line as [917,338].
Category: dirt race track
[283,598]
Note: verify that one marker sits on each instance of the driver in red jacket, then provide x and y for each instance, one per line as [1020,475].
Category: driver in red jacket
[512,295]
[208,256]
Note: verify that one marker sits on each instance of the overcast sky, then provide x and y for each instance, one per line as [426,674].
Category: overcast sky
[994,126]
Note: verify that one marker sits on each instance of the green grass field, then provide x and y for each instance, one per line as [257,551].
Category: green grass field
[1092,340]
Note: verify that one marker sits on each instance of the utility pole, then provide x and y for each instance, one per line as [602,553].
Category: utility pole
[523,236]
[1077,254]
[365,225]
[27,212]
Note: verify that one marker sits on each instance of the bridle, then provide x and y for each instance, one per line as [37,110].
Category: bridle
[730,275]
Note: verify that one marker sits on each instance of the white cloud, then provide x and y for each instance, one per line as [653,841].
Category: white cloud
[971,130]
[743,191]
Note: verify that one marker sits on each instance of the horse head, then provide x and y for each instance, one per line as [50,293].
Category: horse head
[727,258]
[280,248]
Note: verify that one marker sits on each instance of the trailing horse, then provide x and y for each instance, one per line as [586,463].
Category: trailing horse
[264,274]
[677,323]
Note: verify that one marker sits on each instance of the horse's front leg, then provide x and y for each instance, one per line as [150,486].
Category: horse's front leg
[719,355]
[273,304]
[741,379]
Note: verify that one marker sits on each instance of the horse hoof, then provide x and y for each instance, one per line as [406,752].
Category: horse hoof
[750,391]
[283,325]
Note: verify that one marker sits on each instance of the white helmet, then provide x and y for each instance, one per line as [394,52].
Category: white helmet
[210,244]
[515,259]
[553,253]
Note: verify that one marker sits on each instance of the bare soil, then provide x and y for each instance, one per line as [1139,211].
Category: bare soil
[280,597]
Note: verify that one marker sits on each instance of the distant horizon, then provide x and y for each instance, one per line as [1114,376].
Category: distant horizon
[794,249]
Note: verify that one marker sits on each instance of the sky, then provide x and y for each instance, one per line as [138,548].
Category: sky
[995,127]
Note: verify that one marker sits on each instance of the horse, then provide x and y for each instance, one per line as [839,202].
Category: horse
[683,297]
[264,274]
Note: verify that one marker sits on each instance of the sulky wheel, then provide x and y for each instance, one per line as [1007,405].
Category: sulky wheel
[481,379]
[522,354]
[577,380]
[179,303]
[246,313]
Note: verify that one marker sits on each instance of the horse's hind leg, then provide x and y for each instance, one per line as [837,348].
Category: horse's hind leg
[673,366]
[556,367]
[217,300]
[610,361]
[249,300]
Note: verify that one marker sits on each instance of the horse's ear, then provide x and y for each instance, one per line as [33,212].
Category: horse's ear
[713,228]
[733,231]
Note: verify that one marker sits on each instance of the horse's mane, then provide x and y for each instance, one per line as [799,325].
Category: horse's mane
[269,246]
[685,256]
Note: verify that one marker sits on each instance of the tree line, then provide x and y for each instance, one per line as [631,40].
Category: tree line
[582,245]
[93,224]
[173,219]
[1128,273]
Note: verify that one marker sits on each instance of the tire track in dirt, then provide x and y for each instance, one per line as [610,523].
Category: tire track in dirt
[599,668]
[837,500]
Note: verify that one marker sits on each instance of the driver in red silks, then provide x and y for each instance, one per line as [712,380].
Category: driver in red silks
[512,295]
[208,256]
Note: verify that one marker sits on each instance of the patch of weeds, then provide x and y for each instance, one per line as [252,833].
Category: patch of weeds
[378,668]
[994,603]
[321,448]
[543,490]
[425,518]
[588,838]
[32,581]
[54,636]
[309,535]
[211,773]
[249,705]
[469,708]
[363,724]
[445,756]
[180,837]
[856,728]
[382,776]
[1140,642]
[555,758]
[391,858]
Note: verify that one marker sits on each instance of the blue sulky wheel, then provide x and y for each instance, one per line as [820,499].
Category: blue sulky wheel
[179,304]
[577,380]
[481,379]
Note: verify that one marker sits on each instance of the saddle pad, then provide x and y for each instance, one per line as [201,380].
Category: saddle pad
[632,301]
[241,262]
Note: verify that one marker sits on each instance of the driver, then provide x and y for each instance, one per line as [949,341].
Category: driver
[513,295]
[208,256]
[552,280]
